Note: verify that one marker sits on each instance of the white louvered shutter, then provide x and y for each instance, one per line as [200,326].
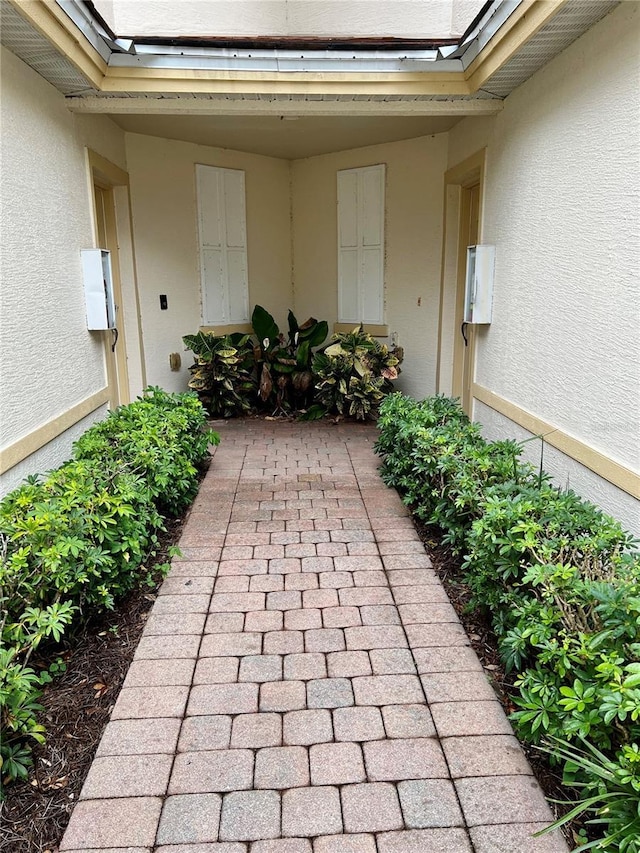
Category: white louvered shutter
[223,245]
[361,245]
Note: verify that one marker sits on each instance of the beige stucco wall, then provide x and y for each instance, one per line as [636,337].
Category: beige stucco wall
[49,362]
[562,206]
[163,194]
[102,135]
[413,237]
[404,18]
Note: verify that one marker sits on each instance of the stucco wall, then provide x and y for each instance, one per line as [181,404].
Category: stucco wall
[103,136]
[49,362]
[163,195]
[562,206]
[413,238]
[409,18]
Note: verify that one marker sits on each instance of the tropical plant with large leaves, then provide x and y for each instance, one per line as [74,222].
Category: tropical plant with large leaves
[285,378]
[223,372]
[354,374]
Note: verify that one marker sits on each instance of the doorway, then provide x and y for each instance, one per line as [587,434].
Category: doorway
[465,342]
[457,340]
[113,339]
[124,351]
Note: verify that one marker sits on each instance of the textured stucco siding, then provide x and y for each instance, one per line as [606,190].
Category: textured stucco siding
[408,18]
[163,195]
[102,135]
[562,206]
[413,238]
[48,359]
[49,362]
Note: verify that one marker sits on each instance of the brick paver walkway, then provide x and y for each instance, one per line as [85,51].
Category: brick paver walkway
[303,684]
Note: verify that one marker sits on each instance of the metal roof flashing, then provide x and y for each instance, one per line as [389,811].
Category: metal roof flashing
[290,54]
[71,46]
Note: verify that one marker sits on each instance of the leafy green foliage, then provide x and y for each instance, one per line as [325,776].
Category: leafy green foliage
[141,434]
[79,539]
[609,790]
[293,372]
[284,365]
[439,461]
[222,374]
[355,372]
[563,586]
[559,578]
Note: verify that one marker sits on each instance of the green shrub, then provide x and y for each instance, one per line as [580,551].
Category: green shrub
[223,373]
[354,374]
[161,437]
[559,579]
[528,526]
[439,461]
[76,541]
[350,376]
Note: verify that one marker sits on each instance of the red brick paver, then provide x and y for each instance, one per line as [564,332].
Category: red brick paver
[303,684]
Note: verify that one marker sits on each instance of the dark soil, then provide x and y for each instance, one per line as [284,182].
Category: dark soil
[77,706]
[485,644]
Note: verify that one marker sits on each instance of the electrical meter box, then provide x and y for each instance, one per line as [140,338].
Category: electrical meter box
[478,294]
[98,289]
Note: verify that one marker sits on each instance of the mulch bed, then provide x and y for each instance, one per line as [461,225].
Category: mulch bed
[485,644]
[77,707]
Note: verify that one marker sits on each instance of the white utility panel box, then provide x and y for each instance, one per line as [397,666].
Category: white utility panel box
[98,289]
[478,294]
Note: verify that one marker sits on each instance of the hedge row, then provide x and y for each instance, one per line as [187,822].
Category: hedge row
[75,541]
[561,583]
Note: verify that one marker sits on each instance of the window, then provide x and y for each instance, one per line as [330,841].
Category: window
[361,245]
[223,245]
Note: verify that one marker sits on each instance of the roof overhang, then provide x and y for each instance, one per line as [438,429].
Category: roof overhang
[100,72]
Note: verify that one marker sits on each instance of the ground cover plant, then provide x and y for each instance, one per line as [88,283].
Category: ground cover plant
[560,581]
[78,539]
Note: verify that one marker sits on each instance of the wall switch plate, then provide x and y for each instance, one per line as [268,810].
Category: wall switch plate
[163,302]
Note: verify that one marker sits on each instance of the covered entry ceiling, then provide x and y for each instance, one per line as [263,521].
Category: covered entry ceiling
[287,137]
